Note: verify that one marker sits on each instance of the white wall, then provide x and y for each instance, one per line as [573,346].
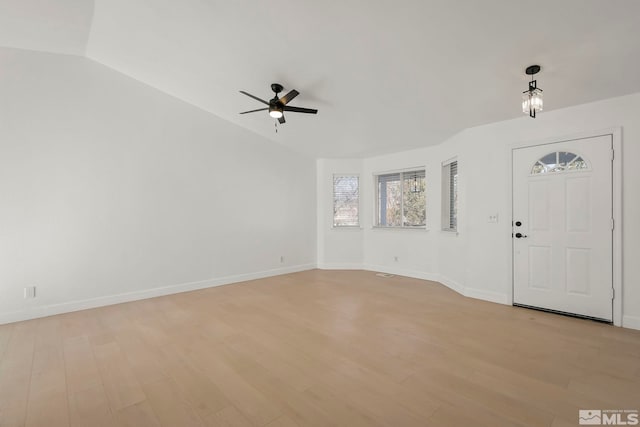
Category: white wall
[476,261]
[338,248]
[110,190]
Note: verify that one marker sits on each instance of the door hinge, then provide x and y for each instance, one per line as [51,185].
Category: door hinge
[613,154]
[613,223]
[613,293]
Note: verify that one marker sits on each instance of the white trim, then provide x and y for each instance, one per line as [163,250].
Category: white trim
[485,295]
[403,170]
[565,138]
[451,284]
[631,322]
[616,135]
[66,307]
[508,225]
[340,266]
[480,294]
[415,274]
[406,227]
[449,161]
[346,174]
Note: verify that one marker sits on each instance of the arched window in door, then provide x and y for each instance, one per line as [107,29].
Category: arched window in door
[559,161]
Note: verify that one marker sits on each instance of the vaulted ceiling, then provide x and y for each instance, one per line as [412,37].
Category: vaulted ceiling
[385,75]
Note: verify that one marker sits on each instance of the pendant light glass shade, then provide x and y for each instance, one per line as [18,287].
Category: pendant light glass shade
[532,101]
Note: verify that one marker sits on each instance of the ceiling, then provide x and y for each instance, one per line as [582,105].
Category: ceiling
[385,75]
[60,26]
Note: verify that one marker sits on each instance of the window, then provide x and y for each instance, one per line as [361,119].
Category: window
[401,199]
[346,201]
[560,161]
[450,195]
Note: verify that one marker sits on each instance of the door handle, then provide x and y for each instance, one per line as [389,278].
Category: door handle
[521,236]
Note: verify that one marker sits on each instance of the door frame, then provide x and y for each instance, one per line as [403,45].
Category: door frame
[616,178]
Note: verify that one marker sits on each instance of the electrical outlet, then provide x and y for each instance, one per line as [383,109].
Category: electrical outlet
[29,292]
[281,259]
[493,218]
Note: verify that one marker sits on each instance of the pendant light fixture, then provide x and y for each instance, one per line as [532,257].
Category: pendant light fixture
[532,98]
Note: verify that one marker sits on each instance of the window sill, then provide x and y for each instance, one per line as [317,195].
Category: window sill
[347,228]
[379,227]
[450,231]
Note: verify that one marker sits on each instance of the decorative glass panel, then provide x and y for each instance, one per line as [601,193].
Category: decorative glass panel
[560,161]
[548,159]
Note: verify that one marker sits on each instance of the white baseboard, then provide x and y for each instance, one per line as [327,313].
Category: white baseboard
[339,266]
[631,322]
[480,294]
[490,296]
[401,272]
[451,284]
[67,307]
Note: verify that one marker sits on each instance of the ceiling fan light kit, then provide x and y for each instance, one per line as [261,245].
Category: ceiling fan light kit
[277,106]
[275,112]
[532,97]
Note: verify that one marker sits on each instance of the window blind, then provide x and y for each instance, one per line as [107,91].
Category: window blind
[453,195]
[450,196]
[346,201]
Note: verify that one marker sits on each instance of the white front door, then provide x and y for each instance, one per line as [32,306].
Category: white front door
[562,227]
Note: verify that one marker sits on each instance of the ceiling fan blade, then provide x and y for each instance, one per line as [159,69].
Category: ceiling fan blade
[281,120]
[253,111]
[301,110]
[288,97]
[254,97]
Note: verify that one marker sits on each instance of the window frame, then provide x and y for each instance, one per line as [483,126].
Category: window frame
[333,201]
[447,195]
[376,207]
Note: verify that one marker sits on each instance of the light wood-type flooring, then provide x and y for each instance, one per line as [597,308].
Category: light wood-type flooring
[317,348]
